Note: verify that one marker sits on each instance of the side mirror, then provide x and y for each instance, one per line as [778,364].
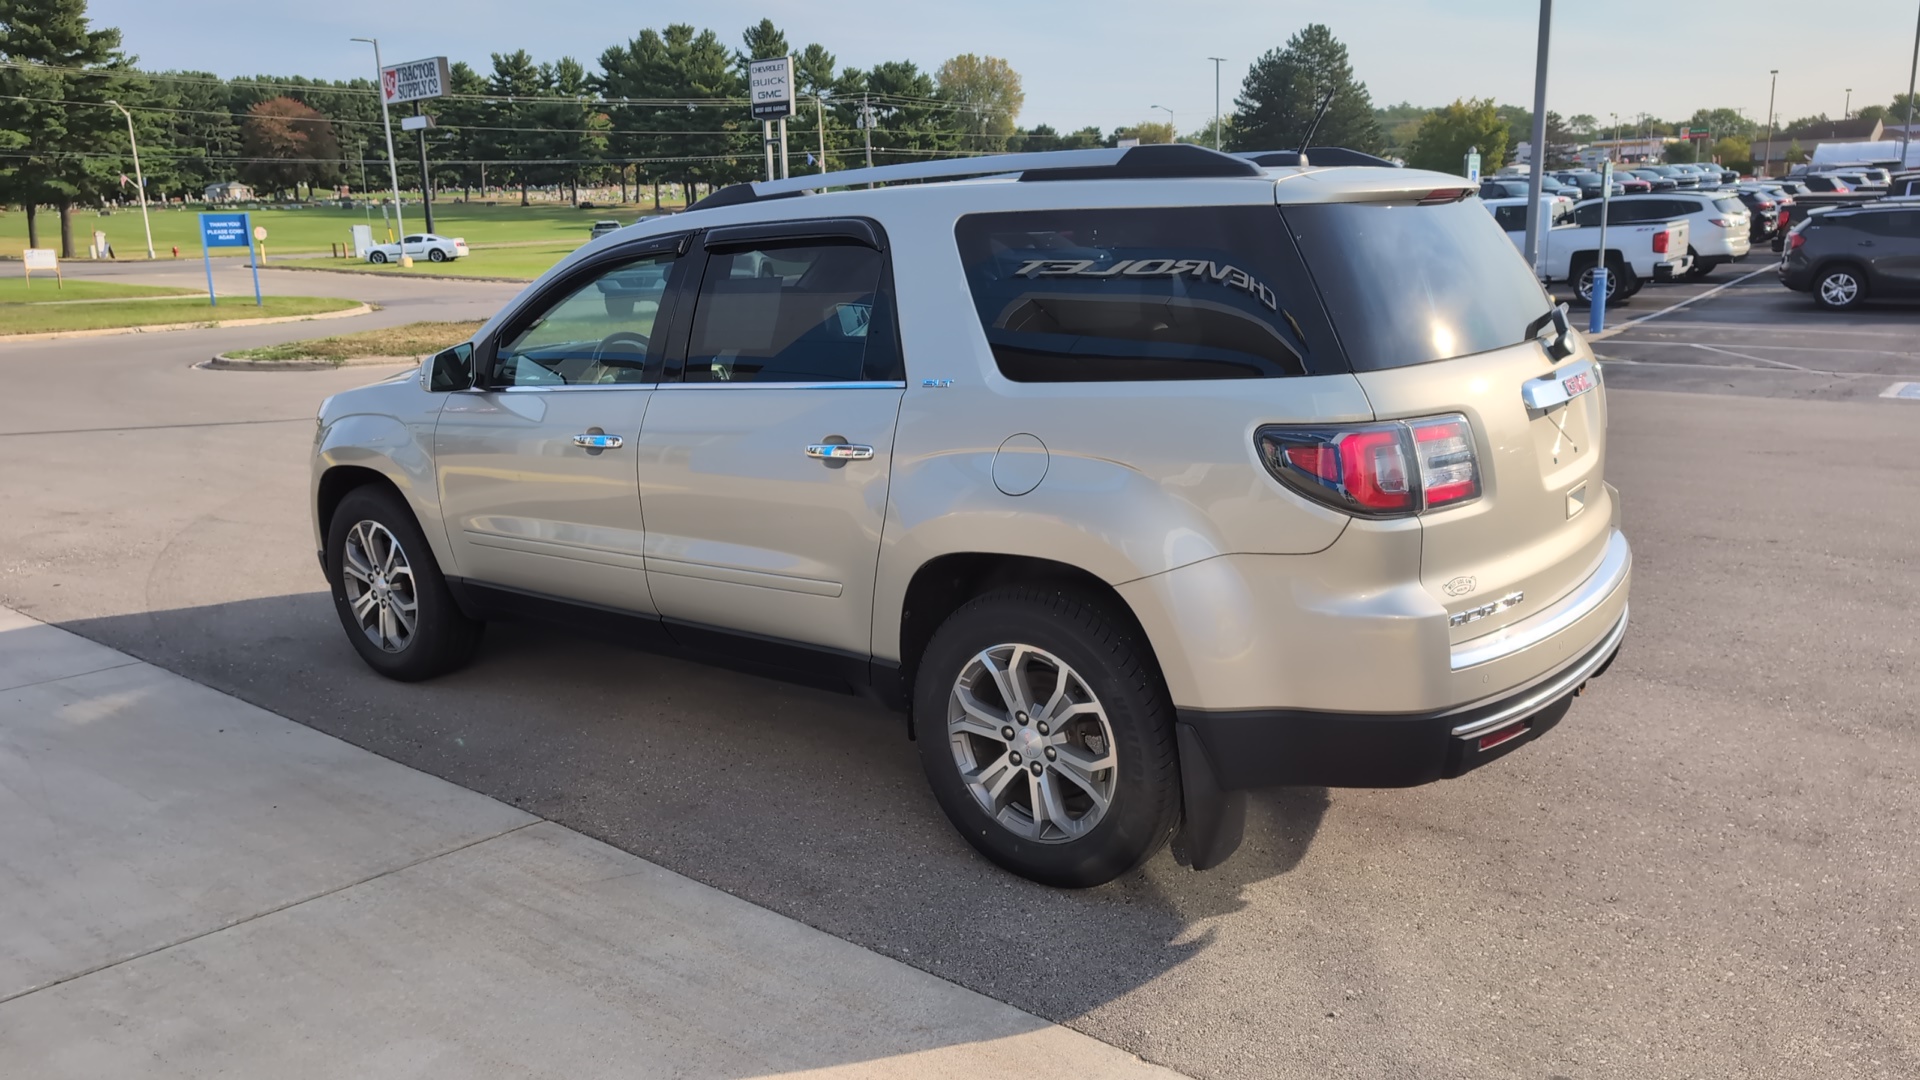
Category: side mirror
[452,369]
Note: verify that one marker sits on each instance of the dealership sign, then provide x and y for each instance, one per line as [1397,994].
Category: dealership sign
[414,80]
[770,84]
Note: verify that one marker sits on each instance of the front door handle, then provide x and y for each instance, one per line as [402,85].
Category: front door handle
[597,440]
[840,451]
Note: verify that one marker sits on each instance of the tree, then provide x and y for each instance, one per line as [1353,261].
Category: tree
[1795,155]
[201,134]
[1876,112]
[984,96]
[1283,91]
[1042,137]
[1582,126]
[909,121]
[53,100]
[1147,131]
[1204,136]
[1734,152]
[287,144]
[515,78]
[1721,121]
[1448,133]
[763,41]
[1398,126]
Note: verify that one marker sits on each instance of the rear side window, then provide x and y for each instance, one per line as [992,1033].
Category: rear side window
[792,312]
[1130,295]
[1407,284]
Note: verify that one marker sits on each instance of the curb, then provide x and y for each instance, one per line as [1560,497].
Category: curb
[223,362]
[410,276]
[160,328]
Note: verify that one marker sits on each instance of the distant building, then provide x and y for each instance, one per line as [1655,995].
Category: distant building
[1630,150]
[1809,137]
[229,192]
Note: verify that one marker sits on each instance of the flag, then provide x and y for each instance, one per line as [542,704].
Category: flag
[809,161]
[124,181]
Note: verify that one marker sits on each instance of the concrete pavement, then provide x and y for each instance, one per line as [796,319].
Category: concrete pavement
[195,886]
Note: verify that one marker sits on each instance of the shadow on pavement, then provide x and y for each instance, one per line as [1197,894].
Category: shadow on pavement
[805,802]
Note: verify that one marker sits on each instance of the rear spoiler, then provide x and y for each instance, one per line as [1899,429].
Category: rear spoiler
[1315,155]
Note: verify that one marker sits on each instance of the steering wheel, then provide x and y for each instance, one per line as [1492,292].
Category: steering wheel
[602,372]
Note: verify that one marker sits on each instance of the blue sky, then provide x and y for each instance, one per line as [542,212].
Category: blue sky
[1108,62]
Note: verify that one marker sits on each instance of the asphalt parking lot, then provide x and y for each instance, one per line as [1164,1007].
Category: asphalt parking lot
[1712,868]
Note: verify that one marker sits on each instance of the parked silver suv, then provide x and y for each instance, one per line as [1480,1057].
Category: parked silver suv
[1138,478]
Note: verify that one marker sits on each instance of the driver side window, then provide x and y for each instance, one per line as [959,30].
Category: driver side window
[598,334]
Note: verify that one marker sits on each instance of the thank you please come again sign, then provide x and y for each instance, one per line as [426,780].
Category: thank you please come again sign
[414,80]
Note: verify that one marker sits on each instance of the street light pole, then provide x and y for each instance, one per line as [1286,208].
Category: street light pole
[1217,61]
[1766,158]
[393,169]
[1536,176]
[1174,131]
[139,181]
[1846,111]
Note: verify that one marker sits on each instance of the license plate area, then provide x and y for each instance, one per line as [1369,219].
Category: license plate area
[1560,387]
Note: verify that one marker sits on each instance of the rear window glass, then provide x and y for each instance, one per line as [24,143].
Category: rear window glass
[1128,295]
[1406,284]
[1729,206]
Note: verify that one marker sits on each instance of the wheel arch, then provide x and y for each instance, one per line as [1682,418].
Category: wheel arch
[337,483]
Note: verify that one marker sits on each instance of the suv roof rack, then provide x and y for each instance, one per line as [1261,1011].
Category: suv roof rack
[1165,161]
[1314,155]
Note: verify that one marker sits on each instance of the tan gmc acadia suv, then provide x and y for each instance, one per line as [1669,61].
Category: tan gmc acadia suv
[1137,478]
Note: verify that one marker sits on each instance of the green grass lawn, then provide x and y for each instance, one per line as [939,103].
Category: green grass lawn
[413,339]
[46,318]
[18,290]
[509,262]
[310,230]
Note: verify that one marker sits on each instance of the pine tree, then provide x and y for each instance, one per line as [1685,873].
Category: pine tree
[1283,91]
[56,102]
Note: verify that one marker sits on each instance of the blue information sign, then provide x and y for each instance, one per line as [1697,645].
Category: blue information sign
[227,230]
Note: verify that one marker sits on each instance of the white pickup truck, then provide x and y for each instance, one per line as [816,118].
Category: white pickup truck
[1637,252]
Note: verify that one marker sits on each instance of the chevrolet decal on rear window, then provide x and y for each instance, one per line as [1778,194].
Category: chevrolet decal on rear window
[1200,269]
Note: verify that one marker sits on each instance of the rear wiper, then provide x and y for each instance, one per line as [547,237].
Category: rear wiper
[1563,326]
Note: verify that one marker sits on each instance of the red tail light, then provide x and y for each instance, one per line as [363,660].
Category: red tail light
[1439,196]
[1660,243]
[1722,223]
[1377,470]
[1784,215]
[1796,240]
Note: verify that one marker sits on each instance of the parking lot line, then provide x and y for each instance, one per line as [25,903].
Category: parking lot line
[1715,291]
[1906,391]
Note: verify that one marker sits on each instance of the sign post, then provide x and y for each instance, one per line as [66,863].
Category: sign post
[1473,164]
[415,80]
[419,122]
[43,259]
[228,230]
[770,84]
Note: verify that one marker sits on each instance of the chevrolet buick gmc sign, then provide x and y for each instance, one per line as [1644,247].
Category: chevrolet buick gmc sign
[414,80]
[770,87]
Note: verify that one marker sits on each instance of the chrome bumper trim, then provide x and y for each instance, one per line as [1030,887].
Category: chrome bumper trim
[1534,629]
[1553,689]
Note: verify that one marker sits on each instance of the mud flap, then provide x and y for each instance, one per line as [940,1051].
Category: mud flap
[1215,820]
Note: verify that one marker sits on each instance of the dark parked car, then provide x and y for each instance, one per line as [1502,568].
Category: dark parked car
[1766,212]
[1904,185]
[1832,185]
[1658,180]
[1589,184]
[1682,178]
[1847,255]
[1515,187]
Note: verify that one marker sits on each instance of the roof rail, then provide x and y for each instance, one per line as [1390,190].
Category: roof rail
[1315,155]
[1154,162]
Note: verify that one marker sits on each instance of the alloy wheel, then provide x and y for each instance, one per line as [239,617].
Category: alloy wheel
[1032,743]
[379,585]
[1839,289]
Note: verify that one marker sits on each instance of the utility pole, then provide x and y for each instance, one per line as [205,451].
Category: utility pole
[1766,158]
[866,127]
[393,168]
[139,181]
[1536,174]
[1171,126]
[1906,136]
[1217,61]
[1846,111]
[822,107]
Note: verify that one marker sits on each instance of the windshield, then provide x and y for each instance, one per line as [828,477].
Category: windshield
[1406,284]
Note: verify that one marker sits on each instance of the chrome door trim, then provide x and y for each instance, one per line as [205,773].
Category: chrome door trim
[896,385]
[1534,629]
[562,387]
[599,441]
[840,452]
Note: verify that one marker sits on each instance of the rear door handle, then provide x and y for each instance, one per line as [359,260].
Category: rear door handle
[599,441]
[840,451]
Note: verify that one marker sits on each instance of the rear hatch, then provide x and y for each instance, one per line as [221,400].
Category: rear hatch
[1438,316]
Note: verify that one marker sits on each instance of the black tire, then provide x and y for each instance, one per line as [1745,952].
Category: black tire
[376,256]
[1830,289]
[1618,276]
[1701,267]
[443,638]
[1112,661]
[436,255]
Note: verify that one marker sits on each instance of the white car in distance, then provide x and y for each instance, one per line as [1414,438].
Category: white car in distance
[420,246]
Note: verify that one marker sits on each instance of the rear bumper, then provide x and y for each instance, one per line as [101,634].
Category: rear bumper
[1267,748]
[1672,269]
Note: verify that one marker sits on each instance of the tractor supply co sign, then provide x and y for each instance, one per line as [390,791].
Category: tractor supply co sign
[414,80]
[770,85]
